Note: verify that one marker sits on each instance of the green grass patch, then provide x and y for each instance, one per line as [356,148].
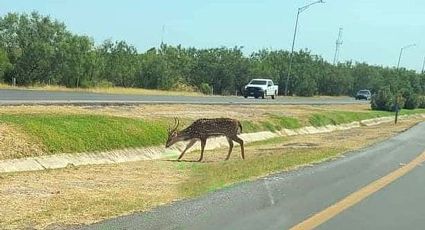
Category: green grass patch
[341,117]
[272,123]
[250,127]
[411,112]
[269,126]
[284,122]
[210,177]
[81,133]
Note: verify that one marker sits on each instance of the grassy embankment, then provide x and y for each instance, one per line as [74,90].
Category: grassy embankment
[85,133]
[64,133]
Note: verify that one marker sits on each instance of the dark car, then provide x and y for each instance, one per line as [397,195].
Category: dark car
[363,94]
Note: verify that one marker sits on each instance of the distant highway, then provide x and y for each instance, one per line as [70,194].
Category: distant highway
[28,97]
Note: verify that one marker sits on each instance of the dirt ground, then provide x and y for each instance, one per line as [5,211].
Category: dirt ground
[88,194]
[16,143]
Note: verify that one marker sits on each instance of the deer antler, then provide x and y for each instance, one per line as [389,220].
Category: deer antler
[178,122]
[176,125]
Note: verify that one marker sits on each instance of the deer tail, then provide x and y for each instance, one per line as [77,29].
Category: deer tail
[240,127]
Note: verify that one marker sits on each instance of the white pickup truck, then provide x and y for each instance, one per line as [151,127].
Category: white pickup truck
[260,88]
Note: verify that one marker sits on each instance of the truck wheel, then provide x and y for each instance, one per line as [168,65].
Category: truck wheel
[273,97]
[245,96]
[262,96]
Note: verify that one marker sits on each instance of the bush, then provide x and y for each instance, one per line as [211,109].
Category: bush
[421,102]
[104,84]
[182,87]
[412,100]
[205,88]
[383,100]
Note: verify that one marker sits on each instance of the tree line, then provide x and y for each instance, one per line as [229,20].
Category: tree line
[38,50]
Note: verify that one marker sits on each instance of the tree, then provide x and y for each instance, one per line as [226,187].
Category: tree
[121,61]
[4,64]
[31,42]
[36,49]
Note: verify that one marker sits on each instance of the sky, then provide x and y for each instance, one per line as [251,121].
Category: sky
[373,30]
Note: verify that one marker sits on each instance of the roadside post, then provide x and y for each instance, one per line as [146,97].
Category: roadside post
[397,108]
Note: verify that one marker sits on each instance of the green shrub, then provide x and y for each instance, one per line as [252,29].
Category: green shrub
[383,100]
[412,100]
[421,102]
[183,87]
[104,84]
[205,88]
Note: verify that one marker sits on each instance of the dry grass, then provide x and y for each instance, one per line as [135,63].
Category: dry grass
[186,91]
[17,144]
[86,194]
[109,90]
[92,193]
[189,111]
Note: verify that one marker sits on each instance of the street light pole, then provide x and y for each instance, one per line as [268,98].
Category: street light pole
[301,9]
[397,97]
[423,66]
[401,52]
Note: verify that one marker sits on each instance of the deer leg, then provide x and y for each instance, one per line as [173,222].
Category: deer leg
[190,144]
[240,141]
[203,142]
[230,147]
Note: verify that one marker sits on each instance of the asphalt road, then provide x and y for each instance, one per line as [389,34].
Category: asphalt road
[19,97]
[283,200]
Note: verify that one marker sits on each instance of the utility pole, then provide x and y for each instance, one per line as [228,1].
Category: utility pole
[401,52]
[301,9]
[423,66]
[162,34]
[338,46]
[397,97]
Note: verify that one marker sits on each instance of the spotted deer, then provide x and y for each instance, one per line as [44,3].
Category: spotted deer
[203,129]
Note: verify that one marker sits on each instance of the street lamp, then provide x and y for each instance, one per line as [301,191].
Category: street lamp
[397,97]
[423,66]
[401,52]
[301,9]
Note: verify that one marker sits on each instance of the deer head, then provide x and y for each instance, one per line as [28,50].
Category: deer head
[173,134]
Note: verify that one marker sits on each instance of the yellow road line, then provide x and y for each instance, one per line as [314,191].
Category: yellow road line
[356,197]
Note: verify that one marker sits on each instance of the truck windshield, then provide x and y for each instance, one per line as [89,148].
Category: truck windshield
[258,82]
[363,92]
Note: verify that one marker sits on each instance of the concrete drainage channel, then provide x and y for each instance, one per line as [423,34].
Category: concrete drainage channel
[158,152]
